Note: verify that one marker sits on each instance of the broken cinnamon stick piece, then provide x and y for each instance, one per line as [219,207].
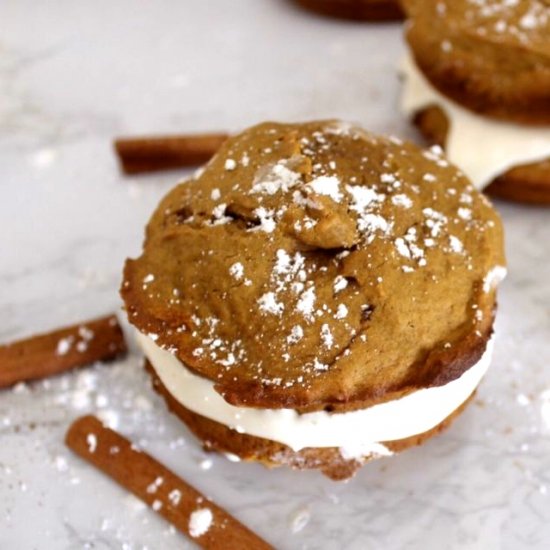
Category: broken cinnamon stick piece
[58,351]
[150,154]
[183,506]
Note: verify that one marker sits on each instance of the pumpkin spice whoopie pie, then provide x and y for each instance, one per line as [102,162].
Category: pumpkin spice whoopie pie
[317,296]
[477,79]
[358,10]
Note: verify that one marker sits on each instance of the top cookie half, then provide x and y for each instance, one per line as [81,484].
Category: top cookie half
[318,266]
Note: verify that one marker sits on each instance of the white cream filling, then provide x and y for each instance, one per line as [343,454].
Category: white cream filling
[481,147]
[356,433]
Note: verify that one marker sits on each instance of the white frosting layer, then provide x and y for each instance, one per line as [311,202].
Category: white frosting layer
[481,147]
[360,430]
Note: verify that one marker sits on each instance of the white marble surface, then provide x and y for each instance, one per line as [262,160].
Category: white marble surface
[75,74]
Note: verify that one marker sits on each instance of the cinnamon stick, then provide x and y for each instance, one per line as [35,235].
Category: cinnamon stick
[183,506]
[58,351]
[150,154]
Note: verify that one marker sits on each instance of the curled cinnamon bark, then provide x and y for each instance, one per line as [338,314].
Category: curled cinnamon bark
[151,154]
[63,349]
[182,505]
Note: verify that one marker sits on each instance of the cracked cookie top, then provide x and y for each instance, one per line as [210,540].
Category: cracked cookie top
[315,266]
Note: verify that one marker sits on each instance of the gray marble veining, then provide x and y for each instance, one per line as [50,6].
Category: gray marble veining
[75,74]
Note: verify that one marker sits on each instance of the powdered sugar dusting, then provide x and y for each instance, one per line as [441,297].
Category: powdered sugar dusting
[340,283]
[268,304]
[341,312]
[200,522]
[276,178]
[230,164]
[64,345]
[327,185]
[401,200]
[361,451]
[237,271]
[91,440]
[455,244]
[326,336]
[296,334]
[267,221]
[306,303]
